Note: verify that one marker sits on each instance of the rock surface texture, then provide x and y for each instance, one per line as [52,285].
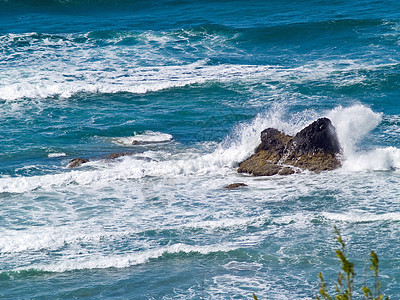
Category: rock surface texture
[237,185]
[314,148]
[77,162]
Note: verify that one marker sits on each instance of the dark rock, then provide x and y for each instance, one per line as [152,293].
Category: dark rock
[260,164]
[265,162]
[136,142]
[274,141]
[286,171]
[235,185]
[122,154]
[319,136]
[77,162]
[117,155]
[317,162]
[314,148]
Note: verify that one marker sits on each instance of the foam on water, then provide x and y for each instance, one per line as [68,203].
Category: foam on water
[43,83]
[57,154]
[126,260]
[49,83]
[163,213]
[352,124]
[234,149]
[82,241]
[42,65]
[361,217]
[145,137]
[74,236]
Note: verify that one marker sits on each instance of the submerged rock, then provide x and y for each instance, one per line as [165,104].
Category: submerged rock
[235,185]
[314,148]
[113,156]
[77,162]
[117,155]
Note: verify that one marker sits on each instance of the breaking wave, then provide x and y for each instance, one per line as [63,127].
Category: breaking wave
[352,125]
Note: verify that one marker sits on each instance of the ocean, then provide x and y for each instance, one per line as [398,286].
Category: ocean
[193,83]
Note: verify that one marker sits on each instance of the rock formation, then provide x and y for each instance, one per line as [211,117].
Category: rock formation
[237,185]
[314,148]
[77,162]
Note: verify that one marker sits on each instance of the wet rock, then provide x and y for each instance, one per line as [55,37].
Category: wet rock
[314,148]
[260,164]
[286,171]
[136,142]
[122,154]
[117,155]
[77,162]
[273,141]
[318,137]
[235,185]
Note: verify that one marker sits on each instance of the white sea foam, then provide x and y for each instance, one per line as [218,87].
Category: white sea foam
[48,83]
[54,239]
[146,137]
[352,124]
[243,266]
[220,161]
[378,159]
[125,260]
[45,238]
[47,66]
[228,223]
[57,154]
[97,78]
[360,216]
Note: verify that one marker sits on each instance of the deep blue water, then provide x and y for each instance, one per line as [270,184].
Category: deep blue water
[197,81]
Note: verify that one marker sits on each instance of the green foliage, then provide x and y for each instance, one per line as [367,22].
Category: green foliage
[376,293]
[345,282]
[323,291]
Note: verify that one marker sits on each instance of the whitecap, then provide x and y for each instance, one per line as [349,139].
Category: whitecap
[124,260]
[56,154]
[147,137]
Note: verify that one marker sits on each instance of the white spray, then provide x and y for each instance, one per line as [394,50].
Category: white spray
[352,125]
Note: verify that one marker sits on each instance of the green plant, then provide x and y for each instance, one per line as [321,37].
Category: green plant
[345,282]
[376,293]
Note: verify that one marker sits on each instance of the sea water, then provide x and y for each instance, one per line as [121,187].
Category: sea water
[194,83]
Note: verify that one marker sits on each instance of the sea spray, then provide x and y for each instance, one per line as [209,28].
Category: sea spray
[352,125]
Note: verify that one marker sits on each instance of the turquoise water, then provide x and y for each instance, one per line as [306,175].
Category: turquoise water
[196,82]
